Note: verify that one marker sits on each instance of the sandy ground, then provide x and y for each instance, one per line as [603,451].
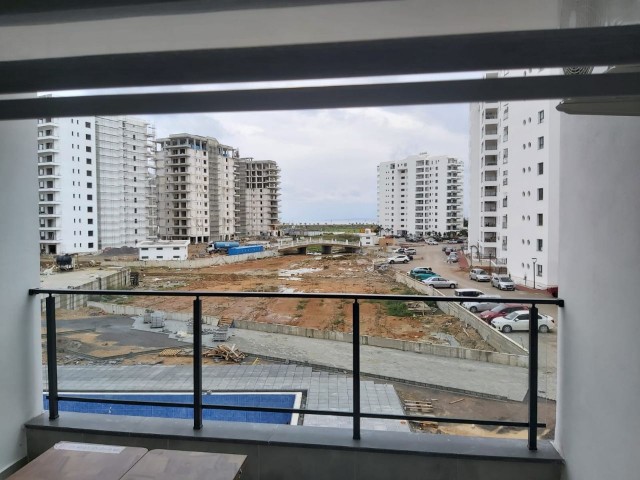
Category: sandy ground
[310,273]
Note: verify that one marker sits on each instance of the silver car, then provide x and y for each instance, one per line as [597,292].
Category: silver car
[479,275]
[502,282]
[484,302]
[440,282]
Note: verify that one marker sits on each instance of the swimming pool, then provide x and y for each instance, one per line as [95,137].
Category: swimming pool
[253,399]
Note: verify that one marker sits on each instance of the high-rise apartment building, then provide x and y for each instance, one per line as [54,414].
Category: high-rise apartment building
[124,157]
[514,160]
[67,185]
[420,195]
[222,185]
[257,211]
[183,170]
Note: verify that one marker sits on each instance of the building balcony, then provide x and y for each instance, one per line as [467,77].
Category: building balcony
[47,136]
[47,149]
[487,238]
[386,449]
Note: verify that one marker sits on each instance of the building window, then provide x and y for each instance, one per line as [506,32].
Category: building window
[540,194]
[89,209]
[540,220]
[87,124]
[88,161]
[90,197]
[90,245]
[89,173]
[87,149]
[90,233]
[90,221]
[541,116]
[89,185]
[87,137]
[540,168]
[539,247]
[540,143]
[539,270]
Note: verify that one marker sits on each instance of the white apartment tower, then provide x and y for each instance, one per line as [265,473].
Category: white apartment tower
[183,170]
[124,153]
[222,186]
[514,154]
[67,185]
[420,195]
[258,206]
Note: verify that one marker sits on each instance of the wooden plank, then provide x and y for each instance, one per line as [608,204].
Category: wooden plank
[72,461]
[178,465]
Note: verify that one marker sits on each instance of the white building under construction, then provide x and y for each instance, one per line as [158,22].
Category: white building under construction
[258,206]
[124,158]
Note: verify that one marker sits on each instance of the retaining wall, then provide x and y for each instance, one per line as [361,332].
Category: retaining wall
[404,345]
[129,310]
[116,280]
[496,339]
[196,262]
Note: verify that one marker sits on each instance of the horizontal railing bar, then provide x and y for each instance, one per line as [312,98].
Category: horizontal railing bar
[339,296]
[337,413]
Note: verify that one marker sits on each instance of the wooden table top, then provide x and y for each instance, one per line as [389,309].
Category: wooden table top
[179,465]
[81,461]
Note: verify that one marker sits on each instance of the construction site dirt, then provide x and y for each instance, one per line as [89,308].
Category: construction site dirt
[87,339]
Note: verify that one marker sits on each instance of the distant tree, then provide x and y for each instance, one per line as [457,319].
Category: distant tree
[463,233]
[465,222]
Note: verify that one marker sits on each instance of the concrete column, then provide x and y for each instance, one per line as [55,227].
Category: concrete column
[599,267]
[20,351]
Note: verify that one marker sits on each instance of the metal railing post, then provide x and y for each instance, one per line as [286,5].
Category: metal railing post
[533,378]
[197,363]
[52,362]
[356,370]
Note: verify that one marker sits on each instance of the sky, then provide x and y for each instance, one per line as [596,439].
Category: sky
[327,158]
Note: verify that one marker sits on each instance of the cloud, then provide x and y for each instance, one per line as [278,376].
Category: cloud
[328,158]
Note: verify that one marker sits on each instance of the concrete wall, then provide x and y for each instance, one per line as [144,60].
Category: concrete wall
[136,311]
[598,355]
[20,352]
[490,335]
[198,262]
[116,280]
[404,345]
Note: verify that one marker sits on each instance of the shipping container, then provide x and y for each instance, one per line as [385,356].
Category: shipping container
[245,249]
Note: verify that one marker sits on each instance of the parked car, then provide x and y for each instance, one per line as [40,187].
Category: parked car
[479,275]
[400,251]
[453,240]
[453,257]
[485,302]
[519,320]
[425,275]
[410,251]
[398,259]
[468,292]
[502,282]
[501,310]
[440,282]
[431,242]
[419,270]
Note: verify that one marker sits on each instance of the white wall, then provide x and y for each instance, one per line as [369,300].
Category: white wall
[20,353]
[599,356]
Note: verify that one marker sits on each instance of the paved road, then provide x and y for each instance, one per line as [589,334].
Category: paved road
[432,256]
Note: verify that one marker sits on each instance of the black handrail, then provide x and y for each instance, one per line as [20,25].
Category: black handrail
[532,424]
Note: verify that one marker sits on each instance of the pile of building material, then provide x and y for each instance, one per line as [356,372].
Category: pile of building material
[225,352]
[420,407]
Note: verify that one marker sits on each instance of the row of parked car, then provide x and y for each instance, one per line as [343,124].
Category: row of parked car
[500,281]
[505,317]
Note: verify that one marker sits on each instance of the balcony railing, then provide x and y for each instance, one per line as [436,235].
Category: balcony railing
[356,414]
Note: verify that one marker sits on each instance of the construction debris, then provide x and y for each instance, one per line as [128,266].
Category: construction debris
[418,407]
[225,352]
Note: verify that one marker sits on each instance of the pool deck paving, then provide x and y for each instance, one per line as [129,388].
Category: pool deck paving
[324,390]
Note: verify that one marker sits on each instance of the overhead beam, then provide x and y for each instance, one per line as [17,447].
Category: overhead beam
[459,91]
[451,53]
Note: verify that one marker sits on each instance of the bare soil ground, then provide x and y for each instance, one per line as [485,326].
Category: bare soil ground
[311,274]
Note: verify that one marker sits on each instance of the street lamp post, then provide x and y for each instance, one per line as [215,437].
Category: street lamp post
[534,259]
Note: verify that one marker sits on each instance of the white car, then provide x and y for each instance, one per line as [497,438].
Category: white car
[479,275]
[431,242]
[440,282]
[398,259]
[484,302]
[519,320]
